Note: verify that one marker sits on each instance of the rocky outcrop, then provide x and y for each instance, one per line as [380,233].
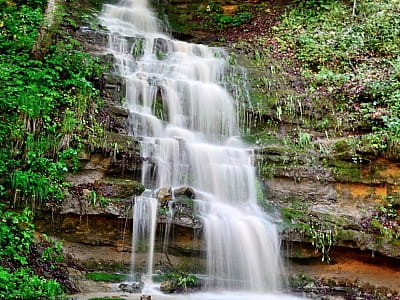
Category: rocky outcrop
[135,287]
[333,201]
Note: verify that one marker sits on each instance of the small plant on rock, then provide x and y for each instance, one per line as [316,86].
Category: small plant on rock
[178,281]
[322,239]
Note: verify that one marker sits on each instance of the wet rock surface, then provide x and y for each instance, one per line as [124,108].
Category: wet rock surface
[135,287]
[93,40]
[118,188]
[164,195]
[329,290]
[186,191]
[168,286]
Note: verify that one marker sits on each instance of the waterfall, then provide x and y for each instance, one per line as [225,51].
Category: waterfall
[187,122]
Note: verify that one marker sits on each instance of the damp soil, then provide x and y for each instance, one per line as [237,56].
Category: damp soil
[351,274]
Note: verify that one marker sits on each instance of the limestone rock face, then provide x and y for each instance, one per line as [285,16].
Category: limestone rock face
[92,40]
[184,191]
[168,286]
[135,287]
[334,199]
[104,196]
[162,45]
[118,188]
[94,230]
[164,195]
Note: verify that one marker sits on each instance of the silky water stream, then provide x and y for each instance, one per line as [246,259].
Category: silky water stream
[186,120]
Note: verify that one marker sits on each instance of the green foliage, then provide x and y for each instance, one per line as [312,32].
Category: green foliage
[138,48]
[322,239]
[160,55]
[18,26]
[183,280]
[23,284]
[43,107]
[331,33]
[389,209]
[52,251]
[186,280]
[352,56]
[17,244]
[96,200]
[232,21]
[386,219]
[303,139]
[43,118]
[163,210]
[387,234]
[216,18]
[92,197]
[16,235]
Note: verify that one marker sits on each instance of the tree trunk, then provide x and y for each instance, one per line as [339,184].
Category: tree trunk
[43,39]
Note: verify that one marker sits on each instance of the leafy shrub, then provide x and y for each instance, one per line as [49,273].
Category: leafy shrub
[232,21]
[214,14]
[352,56]
[331,33]
[23,284]
[16,236]
[43,104]
[182,279]
[24,262]
[20,25]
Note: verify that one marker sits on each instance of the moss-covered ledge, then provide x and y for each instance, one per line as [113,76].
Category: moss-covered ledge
[330,199]
[334,228]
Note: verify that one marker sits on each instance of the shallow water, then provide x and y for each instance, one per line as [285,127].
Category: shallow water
[194,296]
[153,290]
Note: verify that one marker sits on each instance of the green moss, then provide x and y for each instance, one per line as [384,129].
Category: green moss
[273,158]
[338,162]
[342,146]
[290,214]
[387,234]
[108,277]
[348,175]
[347,235]
[110,266]
[190,265]
[299,213]
[344,170]
[182,18]
[125,184]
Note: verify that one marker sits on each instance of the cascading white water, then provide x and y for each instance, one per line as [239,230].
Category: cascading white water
[187,122]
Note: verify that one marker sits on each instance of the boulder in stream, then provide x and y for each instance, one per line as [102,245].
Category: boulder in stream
[134,287]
